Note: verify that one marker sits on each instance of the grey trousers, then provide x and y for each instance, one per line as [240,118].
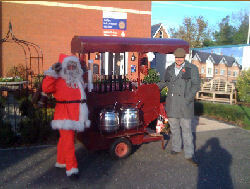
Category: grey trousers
[178,125]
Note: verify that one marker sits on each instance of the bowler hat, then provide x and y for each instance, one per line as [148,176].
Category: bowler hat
[179,53]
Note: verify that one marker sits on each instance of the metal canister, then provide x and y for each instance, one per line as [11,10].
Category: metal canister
[129,118]
[109,120]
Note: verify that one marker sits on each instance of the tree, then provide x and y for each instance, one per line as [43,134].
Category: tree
[194,30]
[243,86]
[226,32]
[240,36]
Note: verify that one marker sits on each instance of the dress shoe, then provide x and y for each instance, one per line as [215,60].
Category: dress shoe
[174,152]
[193,161]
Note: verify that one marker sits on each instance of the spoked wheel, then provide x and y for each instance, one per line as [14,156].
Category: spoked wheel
[121,148]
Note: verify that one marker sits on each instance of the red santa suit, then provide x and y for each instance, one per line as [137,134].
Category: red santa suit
[71,111]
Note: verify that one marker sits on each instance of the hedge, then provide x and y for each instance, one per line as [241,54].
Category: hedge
[235,114]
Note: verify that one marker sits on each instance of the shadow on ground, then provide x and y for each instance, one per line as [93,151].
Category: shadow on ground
[214,166]
[94,167]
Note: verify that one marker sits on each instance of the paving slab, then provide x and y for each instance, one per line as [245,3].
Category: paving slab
[200,124]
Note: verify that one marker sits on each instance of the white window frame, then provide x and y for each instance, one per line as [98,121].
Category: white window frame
[235,73]
[202,70]
[222,72]
[216,71]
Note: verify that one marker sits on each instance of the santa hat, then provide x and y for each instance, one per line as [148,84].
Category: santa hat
[70,58]
[64,59]
[61,57]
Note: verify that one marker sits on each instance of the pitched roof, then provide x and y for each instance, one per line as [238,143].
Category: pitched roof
[230,60]
[216,58]
[154,29]
[202,55]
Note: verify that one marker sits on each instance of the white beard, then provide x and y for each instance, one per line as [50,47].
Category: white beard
[73,77]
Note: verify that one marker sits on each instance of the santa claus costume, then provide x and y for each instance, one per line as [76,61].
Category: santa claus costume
[71,111]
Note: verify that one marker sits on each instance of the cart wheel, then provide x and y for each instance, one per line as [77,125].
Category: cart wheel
[121,148]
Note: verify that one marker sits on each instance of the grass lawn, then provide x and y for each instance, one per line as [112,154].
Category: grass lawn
[235,114]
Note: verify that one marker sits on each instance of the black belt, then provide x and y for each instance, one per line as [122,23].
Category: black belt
[72,101]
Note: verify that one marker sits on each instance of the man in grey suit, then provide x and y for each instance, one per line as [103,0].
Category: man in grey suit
[183,81]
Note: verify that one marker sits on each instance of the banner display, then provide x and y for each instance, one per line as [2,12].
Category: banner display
[114,23]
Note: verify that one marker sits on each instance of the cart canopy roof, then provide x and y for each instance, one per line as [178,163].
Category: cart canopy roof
[90,44]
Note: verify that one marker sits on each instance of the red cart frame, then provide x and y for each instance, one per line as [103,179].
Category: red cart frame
[119,143]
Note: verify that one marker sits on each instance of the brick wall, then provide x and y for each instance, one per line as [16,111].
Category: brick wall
[52,28]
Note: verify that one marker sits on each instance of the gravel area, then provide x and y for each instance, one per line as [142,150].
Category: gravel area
[223,154]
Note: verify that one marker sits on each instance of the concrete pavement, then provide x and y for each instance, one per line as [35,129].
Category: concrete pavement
[222,150]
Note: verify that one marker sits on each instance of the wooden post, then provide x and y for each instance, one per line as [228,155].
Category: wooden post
[138,64]
[197,95]
[231,98]
[235,93]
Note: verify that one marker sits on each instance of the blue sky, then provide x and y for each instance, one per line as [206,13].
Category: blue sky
[171,13]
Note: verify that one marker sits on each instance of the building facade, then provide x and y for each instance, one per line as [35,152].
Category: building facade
[51,25]
[160,61]
[214,66]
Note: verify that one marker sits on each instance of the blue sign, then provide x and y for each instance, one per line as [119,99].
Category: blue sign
[112,23]
[133,68]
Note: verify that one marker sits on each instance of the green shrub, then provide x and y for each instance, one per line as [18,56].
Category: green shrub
[152,77]
[7,136]
[38,81]
[243,86]
[33,131]
[164,92]
[2,105]
[239,115]
[35,125]
[26,107]
[29,130]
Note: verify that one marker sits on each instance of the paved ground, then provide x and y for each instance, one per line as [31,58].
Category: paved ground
[223,152]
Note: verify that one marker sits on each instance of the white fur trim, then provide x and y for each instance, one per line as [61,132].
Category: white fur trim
[83,108]
[59,165]
[68,125]
[72,171]
[70,58]
[51,72]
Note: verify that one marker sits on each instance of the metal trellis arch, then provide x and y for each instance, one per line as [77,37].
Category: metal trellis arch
[28,49]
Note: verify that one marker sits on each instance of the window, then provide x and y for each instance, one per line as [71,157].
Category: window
[202,70]
[209,71]
[222,72]
[216,71]
[229,72]
[235,73]
[161,34]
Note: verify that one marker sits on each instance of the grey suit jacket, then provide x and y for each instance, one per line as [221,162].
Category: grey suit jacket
[181,90]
